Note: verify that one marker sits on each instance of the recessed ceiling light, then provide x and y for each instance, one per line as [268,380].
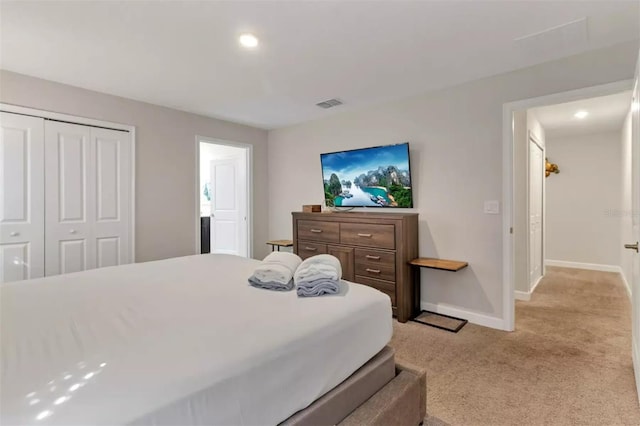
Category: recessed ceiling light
[581,114]
[249,41]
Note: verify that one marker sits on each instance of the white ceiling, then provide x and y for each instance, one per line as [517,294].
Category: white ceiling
[185,55]
[606,113]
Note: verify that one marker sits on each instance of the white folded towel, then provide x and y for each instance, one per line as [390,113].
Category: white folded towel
[278,267]
[317,267]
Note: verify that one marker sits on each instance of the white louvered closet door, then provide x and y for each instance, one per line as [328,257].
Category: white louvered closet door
[21,197]
[87,175]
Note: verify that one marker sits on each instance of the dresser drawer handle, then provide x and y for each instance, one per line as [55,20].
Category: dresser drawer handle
[373,271]
[316,231]
[364,235]
[311,249]
[373,257]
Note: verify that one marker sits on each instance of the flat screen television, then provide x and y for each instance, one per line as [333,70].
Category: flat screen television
[369,177]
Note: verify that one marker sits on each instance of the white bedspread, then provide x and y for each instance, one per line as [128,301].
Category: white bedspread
[179,341]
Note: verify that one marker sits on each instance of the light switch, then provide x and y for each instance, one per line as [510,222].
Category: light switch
[492,207]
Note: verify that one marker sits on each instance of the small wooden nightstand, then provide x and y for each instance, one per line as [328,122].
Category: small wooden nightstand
[443,265]
[279,243]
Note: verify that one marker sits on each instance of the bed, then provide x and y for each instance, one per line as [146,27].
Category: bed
[178,341]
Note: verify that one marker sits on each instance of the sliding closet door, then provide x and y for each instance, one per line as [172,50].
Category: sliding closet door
[68,198]
[21,197]
[88,183]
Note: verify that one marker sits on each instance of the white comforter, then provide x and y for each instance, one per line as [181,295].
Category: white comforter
[180,341]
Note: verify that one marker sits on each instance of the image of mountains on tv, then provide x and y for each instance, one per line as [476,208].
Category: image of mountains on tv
[371,177]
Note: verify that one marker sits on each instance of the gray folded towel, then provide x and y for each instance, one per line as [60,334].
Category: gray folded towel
[271,285]
[318,287]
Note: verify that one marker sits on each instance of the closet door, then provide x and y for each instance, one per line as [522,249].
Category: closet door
[21,197]
[536,197]
[88,180]
[111,164]
[69,203]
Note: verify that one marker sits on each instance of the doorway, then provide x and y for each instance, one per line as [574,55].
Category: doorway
[574,206]
[223,210]
[591,203]
[516,190]
[572,218]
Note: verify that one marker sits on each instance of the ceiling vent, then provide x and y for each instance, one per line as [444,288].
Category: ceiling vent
[329,103]
[567,37]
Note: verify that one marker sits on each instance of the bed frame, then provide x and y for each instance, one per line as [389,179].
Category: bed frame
[381,392]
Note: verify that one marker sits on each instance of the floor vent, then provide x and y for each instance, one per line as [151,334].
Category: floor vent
[329,103]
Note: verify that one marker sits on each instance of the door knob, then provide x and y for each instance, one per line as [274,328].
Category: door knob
[14,234]
[632,246]
[72,231]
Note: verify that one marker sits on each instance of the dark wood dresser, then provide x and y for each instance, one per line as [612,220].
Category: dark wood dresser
[374,249]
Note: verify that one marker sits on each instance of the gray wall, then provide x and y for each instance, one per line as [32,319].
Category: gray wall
[456,158]
[583,201]
[165,159]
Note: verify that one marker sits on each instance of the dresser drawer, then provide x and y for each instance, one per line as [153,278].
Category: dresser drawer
[308,249]
[376,264]
[369,235]
[385,287]
[316,230]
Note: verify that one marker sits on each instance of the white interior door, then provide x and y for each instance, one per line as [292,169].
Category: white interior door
[228,207]
[21,197]
[536,182]
[635,202]
[88,181]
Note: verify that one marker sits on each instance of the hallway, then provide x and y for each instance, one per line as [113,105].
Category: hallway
[568,362]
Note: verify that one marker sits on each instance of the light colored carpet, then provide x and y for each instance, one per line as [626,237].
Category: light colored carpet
[433,421]
[567,363]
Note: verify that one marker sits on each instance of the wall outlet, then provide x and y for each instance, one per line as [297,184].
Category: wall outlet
[492,207]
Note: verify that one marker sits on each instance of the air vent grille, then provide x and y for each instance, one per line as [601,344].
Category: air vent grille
[566,37]
[330,103]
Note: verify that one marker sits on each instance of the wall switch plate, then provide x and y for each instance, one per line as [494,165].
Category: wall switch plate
[492,207]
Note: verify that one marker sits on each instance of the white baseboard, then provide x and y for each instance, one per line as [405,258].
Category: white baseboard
[526,295]
[627,286]
[636,366]
[579,265]
[472,317]
[592,267]
[533,288]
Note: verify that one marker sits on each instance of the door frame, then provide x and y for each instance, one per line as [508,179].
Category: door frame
[74,119]
[508,185]
[635,205]
[249,190]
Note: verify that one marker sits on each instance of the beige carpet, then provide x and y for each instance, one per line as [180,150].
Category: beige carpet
[567,363]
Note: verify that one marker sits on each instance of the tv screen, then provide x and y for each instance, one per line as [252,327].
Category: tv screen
[368,177]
